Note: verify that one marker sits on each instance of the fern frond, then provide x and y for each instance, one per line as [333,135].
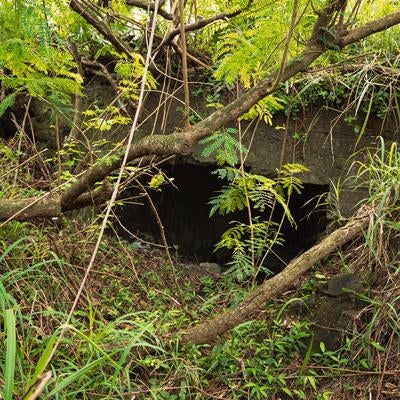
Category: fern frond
[224,145]
[228,173]
[232,238]
[287,181]
[230,199]
[264,109]
[261,199]
[241,267]
[293,168]
[7,102]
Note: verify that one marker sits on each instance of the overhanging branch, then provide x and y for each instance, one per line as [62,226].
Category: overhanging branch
[150,6]
[83,10]
[199,24]
[369,29]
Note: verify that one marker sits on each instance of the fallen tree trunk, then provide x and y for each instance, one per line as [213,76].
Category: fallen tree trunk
[208,331]
[51,205]
[22,209]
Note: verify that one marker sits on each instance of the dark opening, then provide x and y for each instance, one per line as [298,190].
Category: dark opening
[184,212]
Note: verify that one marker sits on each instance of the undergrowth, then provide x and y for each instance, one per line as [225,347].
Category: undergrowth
[122,343]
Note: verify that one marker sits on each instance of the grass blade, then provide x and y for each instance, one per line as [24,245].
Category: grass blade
[43,360]
[10,248]
[11,349]
[77,374]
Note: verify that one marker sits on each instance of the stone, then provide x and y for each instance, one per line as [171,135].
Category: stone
[341,285]
[211,268]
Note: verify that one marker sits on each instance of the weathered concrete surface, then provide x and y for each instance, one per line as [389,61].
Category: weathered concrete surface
[323,142]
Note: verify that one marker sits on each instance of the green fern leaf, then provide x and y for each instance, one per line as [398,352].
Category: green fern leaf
[7,102]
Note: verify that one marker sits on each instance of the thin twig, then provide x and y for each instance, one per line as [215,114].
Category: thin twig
[184,64]
[163,238]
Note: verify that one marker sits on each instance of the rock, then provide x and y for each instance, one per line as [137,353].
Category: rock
[329,315]
[204,269]
[211,268]
[341,284]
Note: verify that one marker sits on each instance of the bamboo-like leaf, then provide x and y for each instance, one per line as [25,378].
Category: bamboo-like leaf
[43,360]
[362,130]
[11,350]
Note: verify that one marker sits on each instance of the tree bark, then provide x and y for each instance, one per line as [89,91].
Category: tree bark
[208,331]
[21,209]
[50,205]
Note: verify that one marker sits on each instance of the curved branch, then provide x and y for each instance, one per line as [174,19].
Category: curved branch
[150,6]
[164,145]
[83,10]
[96,197]
[369,29]
[200,24]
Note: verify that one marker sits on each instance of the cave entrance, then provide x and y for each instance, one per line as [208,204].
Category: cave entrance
[184,211]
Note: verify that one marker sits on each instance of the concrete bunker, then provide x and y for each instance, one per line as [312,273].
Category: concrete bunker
[184,211]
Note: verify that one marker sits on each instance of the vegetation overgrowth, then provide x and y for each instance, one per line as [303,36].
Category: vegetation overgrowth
[87,315]
[121,343]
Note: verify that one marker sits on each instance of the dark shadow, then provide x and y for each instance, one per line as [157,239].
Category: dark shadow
[184,211]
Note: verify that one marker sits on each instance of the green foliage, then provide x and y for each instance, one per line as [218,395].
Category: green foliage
[98,352]
[7,102]
[264,109]
[263,192]
[250,47]
[224,146]
[104,119]
[7,153]
[242,239]
[34,55]
[249,242]
[130,72]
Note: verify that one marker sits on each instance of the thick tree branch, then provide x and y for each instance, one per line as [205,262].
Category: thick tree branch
[22,209]
[96,197]
[150,6]
[83,10]
[369,29]
[163,145]
[50,205]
